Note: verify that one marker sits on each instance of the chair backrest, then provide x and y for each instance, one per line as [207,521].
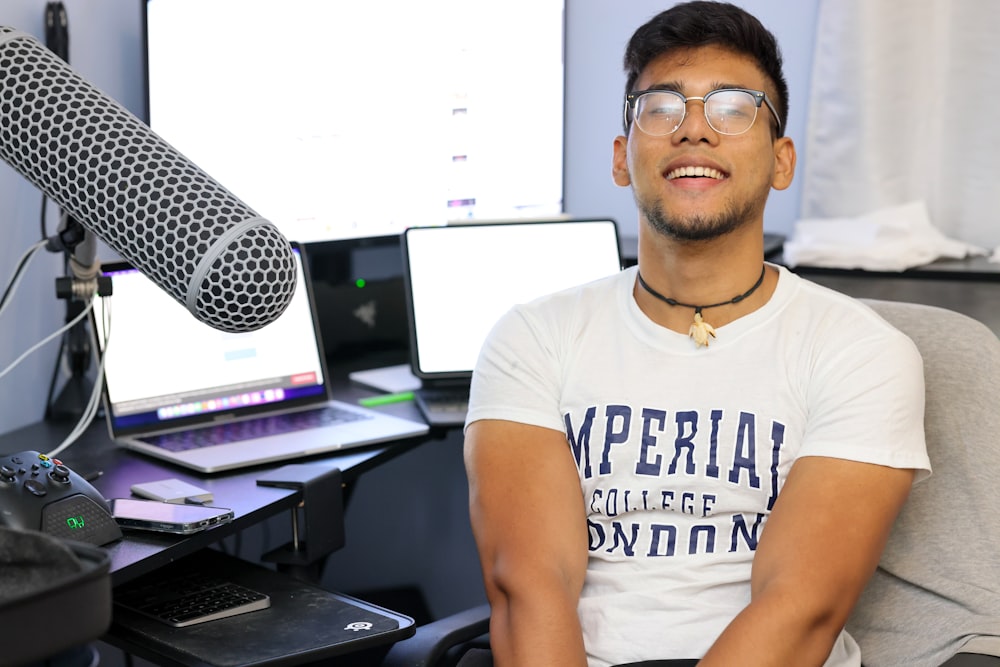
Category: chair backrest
[936,591]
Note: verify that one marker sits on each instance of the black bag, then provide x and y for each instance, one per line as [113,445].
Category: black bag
[54,594]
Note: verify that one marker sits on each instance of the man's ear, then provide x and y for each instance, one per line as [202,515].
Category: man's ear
[784,163]
[619,162]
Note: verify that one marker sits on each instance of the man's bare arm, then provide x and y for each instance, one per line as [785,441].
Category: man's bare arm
[530,527]
[818,550]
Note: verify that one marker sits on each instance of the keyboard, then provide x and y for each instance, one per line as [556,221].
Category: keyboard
[443,406]
[187,598]
[259,427]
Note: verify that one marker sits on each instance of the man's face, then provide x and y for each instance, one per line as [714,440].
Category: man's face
[738,170]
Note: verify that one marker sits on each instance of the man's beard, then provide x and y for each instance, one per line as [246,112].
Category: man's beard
[697,227]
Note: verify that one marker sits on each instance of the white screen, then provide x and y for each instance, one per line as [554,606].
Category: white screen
[337,119]
[158,354]
[463,278]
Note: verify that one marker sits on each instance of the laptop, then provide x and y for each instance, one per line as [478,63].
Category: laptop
[460,279]
[179,390]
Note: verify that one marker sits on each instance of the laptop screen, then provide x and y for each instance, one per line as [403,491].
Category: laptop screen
[461,278]
[165,369]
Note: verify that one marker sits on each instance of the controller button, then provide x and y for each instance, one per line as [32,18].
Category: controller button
[43,463]
[7,473]
[60,473]
[35,487]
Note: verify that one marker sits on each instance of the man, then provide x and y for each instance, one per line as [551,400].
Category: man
[699,458]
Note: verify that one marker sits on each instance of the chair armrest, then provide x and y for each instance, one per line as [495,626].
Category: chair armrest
[431,641]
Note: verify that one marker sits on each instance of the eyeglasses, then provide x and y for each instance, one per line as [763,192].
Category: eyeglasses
[727,110]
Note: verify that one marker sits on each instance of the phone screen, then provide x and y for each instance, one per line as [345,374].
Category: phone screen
[167,517]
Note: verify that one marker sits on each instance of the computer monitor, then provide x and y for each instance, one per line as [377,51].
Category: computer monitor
[343,120]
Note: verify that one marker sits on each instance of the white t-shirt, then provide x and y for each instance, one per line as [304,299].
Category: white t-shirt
[682,450]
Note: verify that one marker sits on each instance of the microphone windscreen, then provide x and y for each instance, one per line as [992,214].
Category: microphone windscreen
[231,268]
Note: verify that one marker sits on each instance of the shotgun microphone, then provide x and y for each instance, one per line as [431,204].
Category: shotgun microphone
[228,266]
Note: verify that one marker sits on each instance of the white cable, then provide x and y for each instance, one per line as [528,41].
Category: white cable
[88,414]
[90,411]
[45,340]
[86,418]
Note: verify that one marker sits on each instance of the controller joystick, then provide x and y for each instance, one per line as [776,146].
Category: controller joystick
[41,493]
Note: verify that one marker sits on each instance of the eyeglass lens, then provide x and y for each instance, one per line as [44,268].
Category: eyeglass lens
[727,111]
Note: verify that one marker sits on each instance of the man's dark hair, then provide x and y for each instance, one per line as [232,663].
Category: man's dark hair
[704,23]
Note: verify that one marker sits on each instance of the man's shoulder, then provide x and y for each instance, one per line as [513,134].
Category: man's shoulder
[826,308]
[599,291]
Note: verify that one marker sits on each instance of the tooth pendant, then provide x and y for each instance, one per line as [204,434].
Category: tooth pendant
[701,330]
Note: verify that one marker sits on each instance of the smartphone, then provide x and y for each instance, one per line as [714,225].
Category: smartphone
[167,517]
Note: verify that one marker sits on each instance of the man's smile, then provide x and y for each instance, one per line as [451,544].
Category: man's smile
[697,172]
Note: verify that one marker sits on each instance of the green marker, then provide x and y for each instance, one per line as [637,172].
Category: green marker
[386,399]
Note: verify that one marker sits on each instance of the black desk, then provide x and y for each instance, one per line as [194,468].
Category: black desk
[113,470]
[970,286]
[138,553]
[973,269]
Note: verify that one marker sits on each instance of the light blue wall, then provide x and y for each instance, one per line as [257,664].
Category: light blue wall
[597,31]
[106,48]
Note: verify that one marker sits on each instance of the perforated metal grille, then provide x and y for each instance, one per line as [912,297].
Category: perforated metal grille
[187,233]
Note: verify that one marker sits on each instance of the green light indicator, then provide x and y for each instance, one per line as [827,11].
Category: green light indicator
[360,282]
[74,522]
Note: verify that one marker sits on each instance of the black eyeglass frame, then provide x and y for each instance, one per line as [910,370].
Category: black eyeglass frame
[759,96]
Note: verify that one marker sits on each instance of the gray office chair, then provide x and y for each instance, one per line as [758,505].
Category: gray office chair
[937,588]
[935,598]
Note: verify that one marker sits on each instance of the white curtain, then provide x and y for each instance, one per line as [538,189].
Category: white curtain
[905,106]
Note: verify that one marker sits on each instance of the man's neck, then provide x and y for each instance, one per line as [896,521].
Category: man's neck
[702,273]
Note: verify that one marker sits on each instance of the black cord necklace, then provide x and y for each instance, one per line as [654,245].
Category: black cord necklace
[700,330]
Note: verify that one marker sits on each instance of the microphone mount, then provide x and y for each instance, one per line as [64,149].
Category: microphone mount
[69,235]
[74,289]
[80,247]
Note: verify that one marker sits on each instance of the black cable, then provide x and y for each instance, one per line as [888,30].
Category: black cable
[62,341]
[55,377]
[17,272]
[57,41]
[45,233]
[74,348]
[57,29]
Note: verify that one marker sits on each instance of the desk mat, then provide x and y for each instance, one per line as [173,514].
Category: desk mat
[304,623]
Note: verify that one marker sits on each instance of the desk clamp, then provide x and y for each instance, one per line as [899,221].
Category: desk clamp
[322,516]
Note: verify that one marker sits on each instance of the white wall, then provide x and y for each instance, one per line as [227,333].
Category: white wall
[106,48]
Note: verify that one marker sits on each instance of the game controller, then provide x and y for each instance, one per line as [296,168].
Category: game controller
[41,493]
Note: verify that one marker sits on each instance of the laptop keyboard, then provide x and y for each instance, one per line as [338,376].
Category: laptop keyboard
[255,428]
[445,406]
[188,598]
